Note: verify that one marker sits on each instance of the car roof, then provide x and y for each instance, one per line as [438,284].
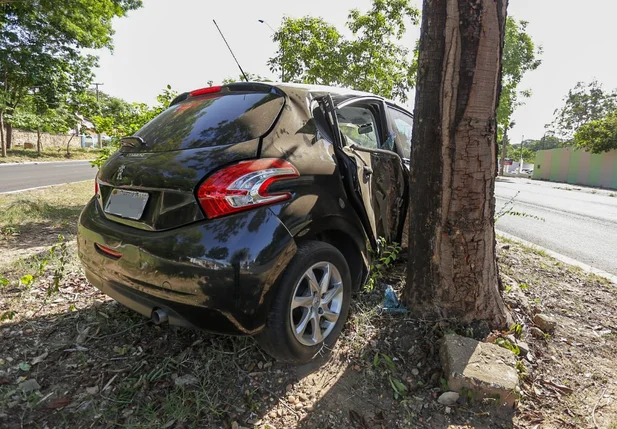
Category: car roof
[339,95]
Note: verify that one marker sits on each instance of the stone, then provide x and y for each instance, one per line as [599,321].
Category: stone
[536,332]
[515,297]
[29,386]
[415,371]
[273,414]
[523,347]
[309,408]
[542,321]
[303,397]
[448,398]
[485,370]
[448,410]
[292,399]
[298,405]
[186,380]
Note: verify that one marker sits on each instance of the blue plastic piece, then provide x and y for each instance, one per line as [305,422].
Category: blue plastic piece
[391,303]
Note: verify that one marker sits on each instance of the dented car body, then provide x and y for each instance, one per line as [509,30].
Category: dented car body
[197,216]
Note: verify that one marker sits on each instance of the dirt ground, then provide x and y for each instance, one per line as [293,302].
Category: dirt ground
[74,358]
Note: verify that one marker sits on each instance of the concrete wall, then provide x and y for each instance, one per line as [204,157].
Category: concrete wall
[577,167]
[49,140]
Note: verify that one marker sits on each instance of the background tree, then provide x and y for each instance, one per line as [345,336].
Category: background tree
[119,118]
[252,77]
[452,270]
[520,55]
[41,45]
[598,136]
[584,103]
[315,52]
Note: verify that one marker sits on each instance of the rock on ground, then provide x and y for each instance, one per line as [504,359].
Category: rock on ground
[484,369]
[448,398]
[544,322]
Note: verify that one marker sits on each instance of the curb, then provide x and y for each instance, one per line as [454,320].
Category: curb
[42,162]
[560,257]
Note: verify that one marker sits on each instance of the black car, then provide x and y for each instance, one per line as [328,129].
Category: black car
[251,209]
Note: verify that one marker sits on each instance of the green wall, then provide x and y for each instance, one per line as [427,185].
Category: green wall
[577,167]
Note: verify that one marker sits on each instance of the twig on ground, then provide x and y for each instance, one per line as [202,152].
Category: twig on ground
[593,412]
[120,332]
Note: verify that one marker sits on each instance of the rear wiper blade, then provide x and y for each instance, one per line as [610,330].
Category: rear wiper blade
[132,141]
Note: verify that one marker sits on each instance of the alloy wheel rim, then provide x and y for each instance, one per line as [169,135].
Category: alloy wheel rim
[316,303]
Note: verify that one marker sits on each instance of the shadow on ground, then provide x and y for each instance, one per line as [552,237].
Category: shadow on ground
[96,364]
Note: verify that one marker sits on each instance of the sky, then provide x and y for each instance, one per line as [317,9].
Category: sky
[176,43]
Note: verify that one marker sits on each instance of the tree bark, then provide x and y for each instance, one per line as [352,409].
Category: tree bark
[39,146]
[9,135]
[68,152]
[452,269]
[504,148]
[2,142]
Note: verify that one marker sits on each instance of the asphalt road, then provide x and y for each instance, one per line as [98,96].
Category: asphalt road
[580,223]
[25,176]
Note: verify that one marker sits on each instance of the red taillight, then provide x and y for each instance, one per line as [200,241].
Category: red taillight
[203,91]
[107,251]
[96,185]
[243,186]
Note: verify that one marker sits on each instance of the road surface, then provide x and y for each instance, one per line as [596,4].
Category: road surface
[580,224]
[26,176]
[577,223]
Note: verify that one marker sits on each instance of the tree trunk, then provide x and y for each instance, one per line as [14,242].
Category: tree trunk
[2,142]
[9,135]
[452,269]
[39,146]
[68,152]
[504,148]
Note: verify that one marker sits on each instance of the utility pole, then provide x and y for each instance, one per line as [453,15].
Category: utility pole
[520,167]
[97,84]
[504,145]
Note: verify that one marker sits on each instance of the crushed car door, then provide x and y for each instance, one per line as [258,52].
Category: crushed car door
[367,140]
[380,169]
[349,169]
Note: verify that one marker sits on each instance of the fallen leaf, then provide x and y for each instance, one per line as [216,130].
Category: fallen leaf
[24,367]
[83,336]
[58,403]
[40,358]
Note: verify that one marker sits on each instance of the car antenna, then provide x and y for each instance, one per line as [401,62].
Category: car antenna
[232,52]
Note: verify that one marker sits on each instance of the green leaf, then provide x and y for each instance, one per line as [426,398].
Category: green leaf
[376,360]
[24,367]
[389,362]
[7,315]
[26,280]
[4,281]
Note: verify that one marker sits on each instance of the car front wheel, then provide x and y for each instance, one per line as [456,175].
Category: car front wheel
[310,306]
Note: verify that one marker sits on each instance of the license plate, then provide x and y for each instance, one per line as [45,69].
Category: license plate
[128,204]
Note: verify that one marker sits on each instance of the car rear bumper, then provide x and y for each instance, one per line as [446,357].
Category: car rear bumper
[217,275]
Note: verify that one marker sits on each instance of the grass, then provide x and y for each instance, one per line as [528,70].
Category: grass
[56,206]
[55,154]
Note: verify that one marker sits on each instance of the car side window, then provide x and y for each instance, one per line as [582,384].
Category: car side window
[358,125]
[402,125]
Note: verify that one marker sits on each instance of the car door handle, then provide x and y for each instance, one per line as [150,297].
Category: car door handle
[367,170]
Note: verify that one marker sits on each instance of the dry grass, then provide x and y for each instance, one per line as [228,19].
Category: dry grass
[59,154]
[100,365]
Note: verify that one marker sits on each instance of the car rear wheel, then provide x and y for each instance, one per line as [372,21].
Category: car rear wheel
[310,306]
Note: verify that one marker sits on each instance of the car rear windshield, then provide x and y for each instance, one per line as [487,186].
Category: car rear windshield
[212,120]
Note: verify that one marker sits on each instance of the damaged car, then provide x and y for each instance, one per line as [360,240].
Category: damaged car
[251,209]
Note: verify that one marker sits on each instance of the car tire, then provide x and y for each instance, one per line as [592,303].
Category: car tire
[288,336]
